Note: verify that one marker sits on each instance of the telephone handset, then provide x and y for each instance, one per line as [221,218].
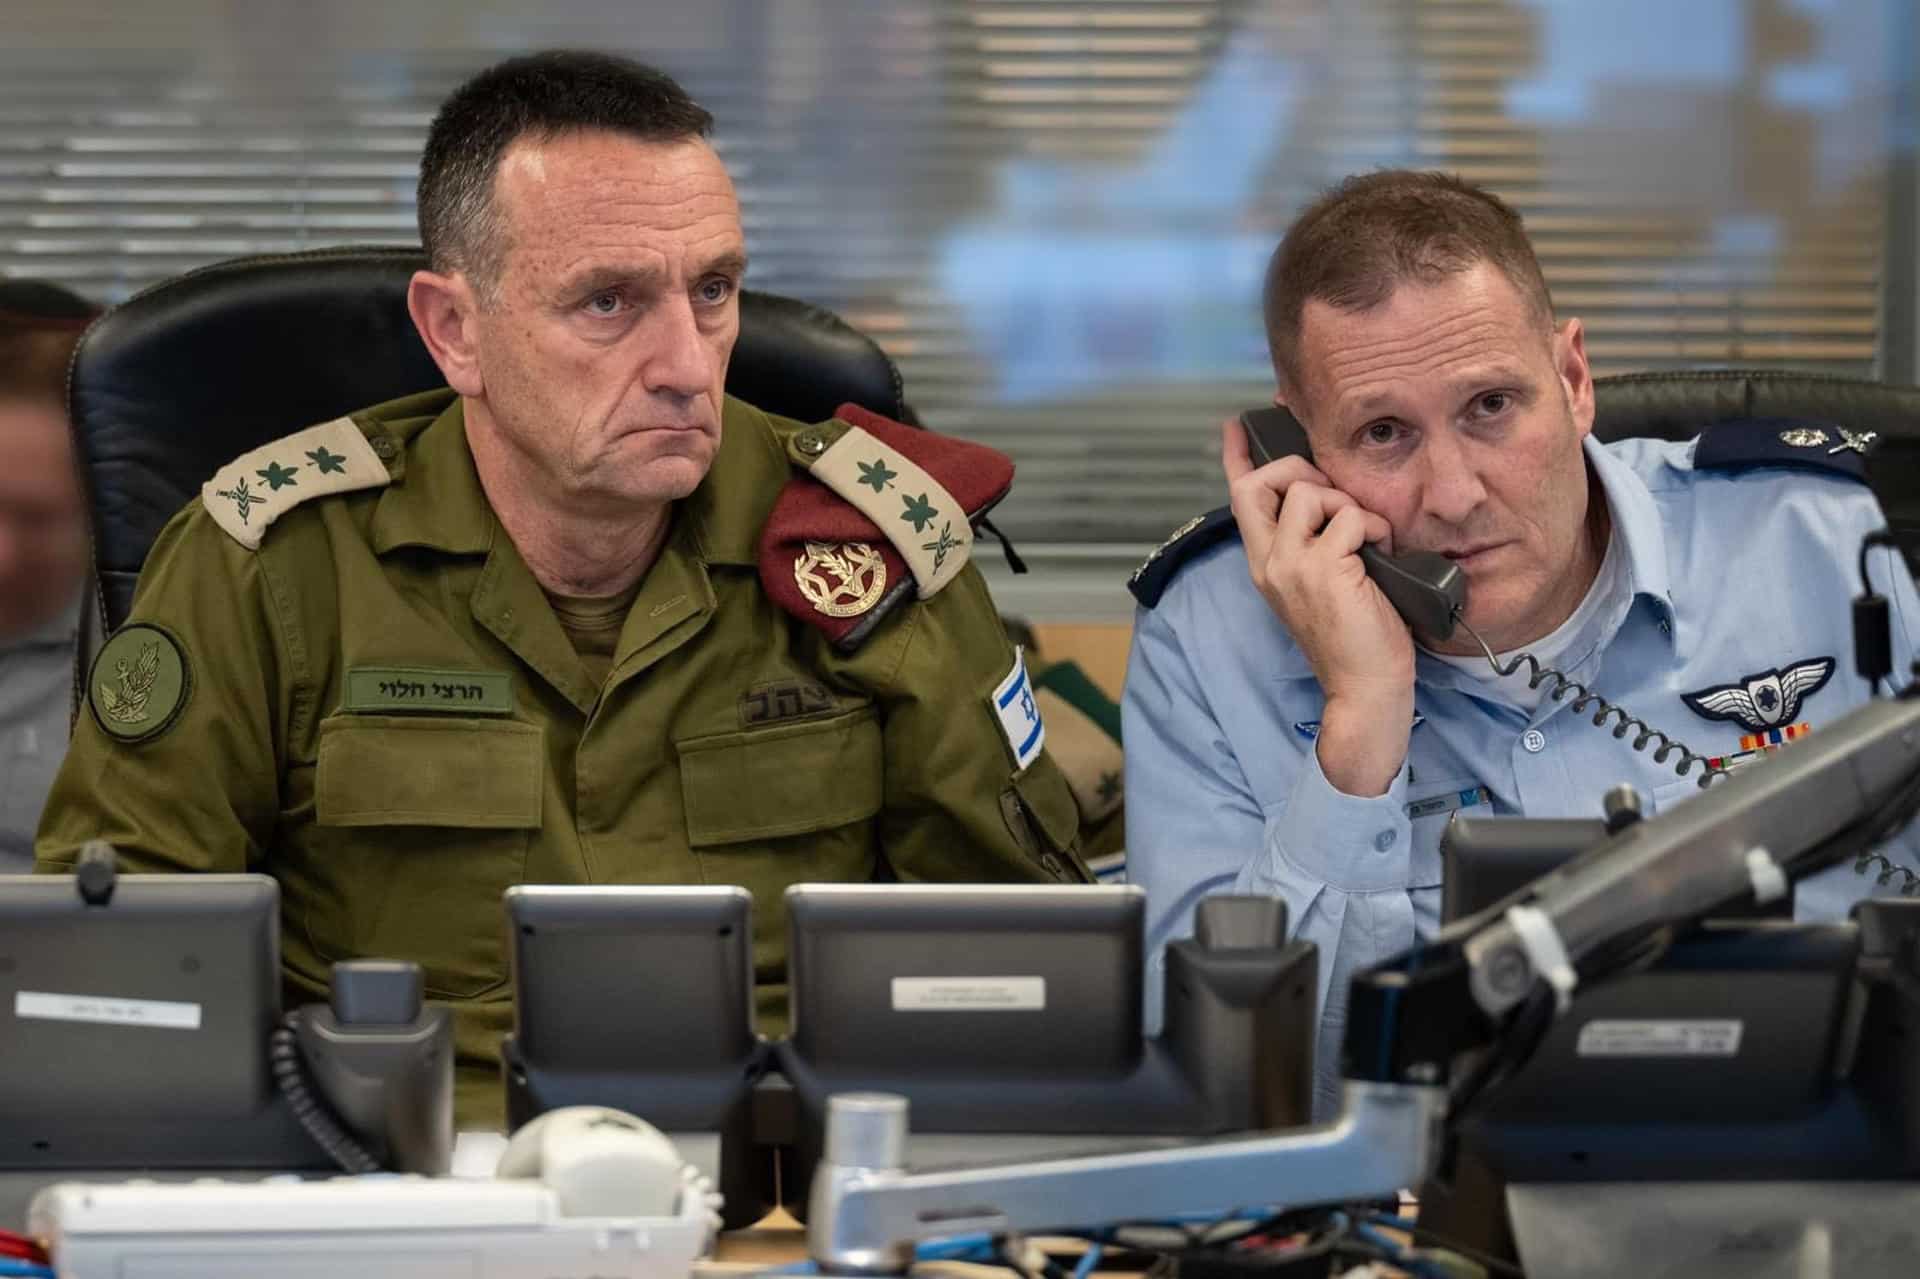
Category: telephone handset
[1426,589]
[1430,592]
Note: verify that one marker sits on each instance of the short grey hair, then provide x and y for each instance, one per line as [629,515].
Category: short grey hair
[541,96]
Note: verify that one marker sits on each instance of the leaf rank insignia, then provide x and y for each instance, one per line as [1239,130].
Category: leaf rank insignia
[249,493]
[1764,700]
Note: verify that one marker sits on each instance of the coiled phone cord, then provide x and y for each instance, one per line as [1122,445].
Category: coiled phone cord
[328,1133]
[1585,697]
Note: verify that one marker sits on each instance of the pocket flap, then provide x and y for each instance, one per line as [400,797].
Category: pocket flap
[409,770]
[1059,817]
[769,782]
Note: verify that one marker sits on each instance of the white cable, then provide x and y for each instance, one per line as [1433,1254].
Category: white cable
[1541,941]
[1769,881]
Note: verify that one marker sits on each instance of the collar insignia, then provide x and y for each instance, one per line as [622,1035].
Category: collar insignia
[1765,700]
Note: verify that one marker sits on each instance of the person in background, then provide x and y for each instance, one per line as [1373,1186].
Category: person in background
[43,553]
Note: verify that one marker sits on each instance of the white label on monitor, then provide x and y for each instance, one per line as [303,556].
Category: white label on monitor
[1660,1038]
[969,994]
[162,1013]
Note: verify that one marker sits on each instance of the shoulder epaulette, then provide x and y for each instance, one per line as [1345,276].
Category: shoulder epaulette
[248,494]
[875,512]
[1784,441]
[1156,572]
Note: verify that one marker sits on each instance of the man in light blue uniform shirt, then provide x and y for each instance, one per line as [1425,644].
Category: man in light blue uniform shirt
[1285,733]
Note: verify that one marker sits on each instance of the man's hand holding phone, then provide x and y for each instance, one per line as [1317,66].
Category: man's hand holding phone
[1302,538]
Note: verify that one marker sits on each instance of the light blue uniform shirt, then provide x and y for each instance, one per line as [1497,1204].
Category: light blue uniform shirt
[36,693]
[1730,575]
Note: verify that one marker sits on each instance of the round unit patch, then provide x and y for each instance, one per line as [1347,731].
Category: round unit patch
[139,683]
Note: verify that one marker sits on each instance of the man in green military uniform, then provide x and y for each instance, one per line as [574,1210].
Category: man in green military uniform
[578,618]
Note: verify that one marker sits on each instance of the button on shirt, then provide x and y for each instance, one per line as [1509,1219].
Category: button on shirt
[1728,576]
[36,693]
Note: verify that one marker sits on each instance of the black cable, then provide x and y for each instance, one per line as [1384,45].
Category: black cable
[313,1114]
[1862,841]
[1872,633]
[1585,696]
[1880,537]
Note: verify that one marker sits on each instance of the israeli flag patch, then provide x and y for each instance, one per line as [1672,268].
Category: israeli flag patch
[1019,715]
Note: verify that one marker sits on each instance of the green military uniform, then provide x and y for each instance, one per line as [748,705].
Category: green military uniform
[376,705]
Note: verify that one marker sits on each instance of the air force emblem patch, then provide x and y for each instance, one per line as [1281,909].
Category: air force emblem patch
[1766,700]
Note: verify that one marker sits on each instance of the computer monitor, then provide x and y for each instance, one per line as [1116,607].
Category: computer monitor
[1488,859]
[641,998]
[1724,1061]
[134,1034]
[1010,1018]
[974,981]
[1485,860]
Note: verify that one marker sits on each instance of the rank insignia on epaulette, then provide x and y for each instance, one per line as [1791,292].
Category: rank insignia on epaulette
[1161,549]
[883,511]
[1198,534]
[1813,437]
[248,494]
[1740,444]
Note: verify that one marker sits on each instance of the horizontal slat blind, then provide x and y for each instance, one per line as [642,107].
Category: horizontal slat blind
[1053,214]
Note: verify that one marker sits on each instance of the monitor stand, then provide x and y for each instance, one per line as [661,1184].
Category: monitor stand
[1704,1230]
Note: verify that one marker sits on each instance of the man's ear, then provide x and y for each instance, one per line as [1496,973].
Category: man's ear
[1576,376]
[444,309]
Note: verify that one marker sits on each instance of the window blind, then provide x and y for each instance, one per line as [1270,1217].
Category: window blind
[1054,213]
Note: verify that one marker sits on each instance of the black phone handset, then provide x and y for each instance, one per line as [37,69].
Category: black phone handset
[1430,592]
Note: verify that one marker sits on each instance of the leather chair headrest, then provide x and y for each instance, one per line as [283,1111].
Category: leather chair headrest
[1678,406]
[186,376]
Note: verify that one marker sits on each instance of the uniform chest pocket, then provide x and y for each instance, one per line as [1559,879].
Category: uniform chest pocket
[420,824]
[773,782]
[398,770]
[1667,797]
[1430,806]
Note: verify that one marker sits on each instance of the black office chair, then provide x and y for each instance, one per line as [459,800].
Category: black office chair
[195,371]
[1678,406]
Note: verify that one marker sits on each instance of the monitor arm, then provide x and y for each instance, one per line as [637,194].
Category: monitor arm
[1408,1020]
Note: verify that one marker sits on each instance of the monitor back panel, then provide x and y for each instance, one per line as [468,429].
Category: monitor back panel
[971,980]
[630,979]
[158,1003]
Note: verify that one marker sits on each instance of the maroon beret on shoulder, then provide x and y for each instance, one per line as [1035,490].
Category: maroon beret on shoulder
[876,512]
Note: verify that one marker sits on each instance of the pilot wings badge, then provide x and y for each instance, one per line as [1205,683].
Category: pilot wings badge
[1764,700]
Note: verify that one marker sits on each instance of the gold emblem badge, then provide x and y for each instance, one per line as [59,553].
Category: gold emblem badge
[1803,437]
[840,580]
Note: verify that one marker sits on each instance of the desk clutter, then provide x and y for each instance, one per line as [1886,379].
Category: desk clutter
[141,1035]
[166,1117]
